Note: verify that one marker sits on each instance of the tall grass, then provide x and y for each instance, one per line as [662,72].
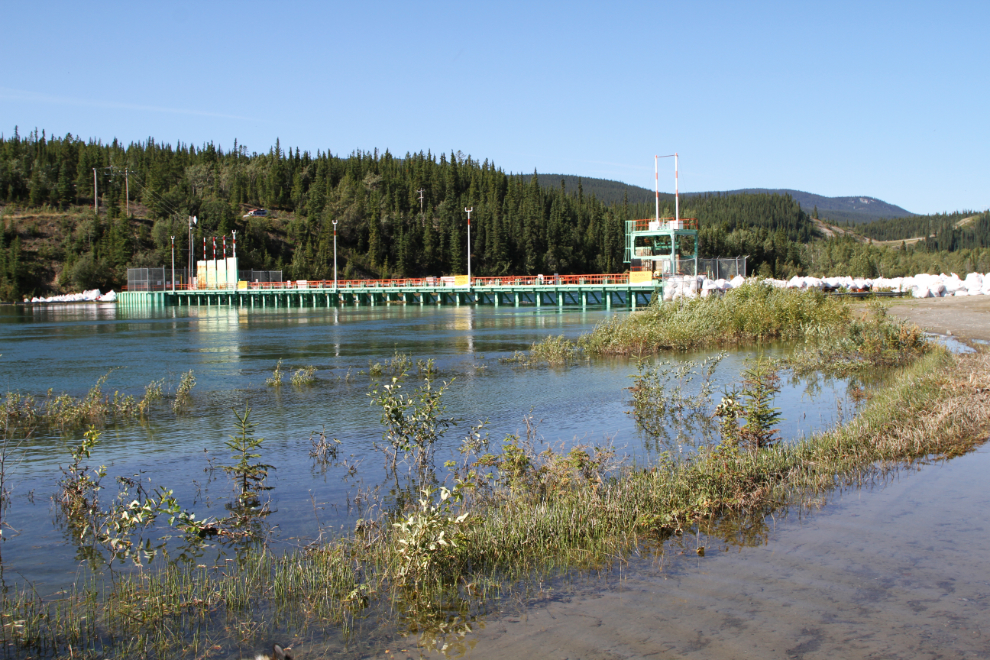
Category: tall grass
[752,312]
[22,414]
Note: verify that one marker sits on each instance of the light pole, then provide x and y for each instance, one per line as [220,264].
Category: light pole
[192,221]
[469,243]
[173,264]
[335,255]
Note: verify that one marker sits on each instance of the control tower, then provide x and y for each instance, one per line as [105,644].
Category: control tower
[660,248]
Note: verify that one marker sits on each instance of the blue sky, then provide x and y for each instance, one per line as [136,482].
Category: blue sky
[835,98]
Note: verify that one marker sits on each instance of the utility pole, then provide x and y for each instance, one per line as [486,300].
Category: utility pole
[127,204]
[469,243]
[335,254]
[192,221]
[173,264]
[96,202]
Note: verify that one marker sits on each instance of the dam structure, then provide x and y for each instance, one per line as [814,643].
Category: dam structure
[583,291]
[655,250]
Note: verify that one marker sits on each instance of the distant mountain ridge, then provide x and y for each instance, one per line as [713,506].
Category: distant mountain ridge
[855,209]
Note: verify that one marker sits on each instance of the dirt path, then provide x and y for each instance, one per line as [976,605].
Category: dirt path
[965,317]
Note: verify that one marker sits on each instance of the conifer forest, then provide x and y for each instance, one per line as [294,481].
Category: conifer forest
[396,217]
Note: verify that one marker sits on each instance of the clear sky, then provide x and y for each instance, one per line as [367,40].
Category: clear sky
[890,100]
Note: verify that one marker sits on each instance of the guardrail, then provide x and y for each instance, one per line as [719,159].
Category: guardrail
[413,282]
[666,224]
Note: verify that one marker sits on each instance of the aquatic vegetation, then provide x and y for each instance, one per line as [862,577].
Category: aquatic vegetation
[304,376]
[873,341]
[153,391]
[275,380]
[249,476]
[395,367]
[117,530]
[413,422]
[324,449]
[663,409]
[183,394]
[426,539]
[23,414]
[506,513]
[750,313]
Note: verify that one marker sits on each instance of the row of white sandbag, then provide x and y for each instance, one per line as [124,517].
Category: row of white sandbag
[922,285]
[93,295]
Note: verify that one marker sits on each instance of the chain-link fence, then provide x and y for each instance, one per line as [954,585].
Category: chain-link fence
[259,275]
[720,268]
[153,279]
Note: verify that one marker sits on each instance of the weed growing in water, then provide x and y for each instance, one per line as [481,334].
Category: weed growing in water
[874,341]
[413,423]
[118,530]
[752,312]
[395,367]
[550,350]
[427,539]
[275,380]
[183,394]
[304,376]
[662,407]
[153,391]
[324,449]
[426,369]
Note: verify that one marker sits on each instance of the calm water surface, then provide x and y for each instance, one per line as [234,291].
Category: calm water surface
[233,351]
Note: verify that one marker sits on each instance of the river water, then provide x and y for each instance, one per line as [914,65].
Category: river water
[897,568]
[233,351]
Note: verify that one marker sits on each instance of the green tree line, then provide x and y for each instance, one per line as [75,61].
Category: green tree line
[396,217]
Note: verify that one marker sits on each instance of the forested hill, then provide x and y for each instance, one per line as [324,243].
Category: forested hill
[941,231]
[836,209]
[52,241]
[604,190]
[852,210]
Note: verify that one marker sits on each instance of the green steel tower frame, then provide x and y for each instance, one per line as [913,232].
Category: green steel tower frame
[663,247]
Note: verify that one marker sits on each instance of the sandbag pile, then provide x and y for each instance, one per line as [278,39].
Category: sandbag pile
[920,286]
[93,295]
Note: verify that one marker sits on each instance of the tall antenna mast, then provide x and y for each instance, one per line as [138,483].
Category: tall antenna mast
[677,200]
[656,174]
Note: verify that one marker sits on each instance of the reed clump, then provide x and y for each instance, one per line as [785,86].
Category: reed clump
[750,313]
[275,380]
[304,376]
[874,340]
[22,414]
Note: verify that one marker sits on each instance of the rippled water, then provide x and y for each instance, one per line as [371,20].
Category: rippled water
[233,351]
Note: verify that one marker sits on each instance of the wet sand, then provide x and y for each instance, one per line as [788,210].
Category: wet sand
[899,571]
[966,317]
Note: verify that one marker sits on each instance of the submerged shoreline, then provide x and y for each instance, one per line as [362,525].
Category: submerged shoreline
[514,515]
